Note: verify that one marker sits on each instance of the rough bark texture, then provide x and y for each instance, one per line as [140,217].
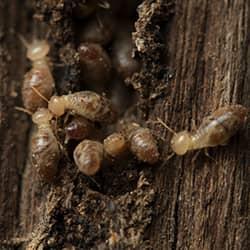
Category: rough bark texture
[195,58]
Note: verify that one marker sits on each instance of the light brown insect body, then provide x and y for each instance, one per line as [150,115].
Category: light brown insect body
[85,103]
[215,130]
[44,147]
[142,143]
[88,156]
[39,76]
[115,145]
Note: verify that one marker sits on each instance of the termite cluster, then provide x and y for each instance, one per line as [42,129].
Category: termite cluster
[90,117]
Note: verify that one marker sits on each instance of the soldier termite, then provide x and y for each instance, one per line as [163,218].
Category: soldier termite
[39,76]
[215,130]
[85,103]
[115,145]
[88,156]
[141,143]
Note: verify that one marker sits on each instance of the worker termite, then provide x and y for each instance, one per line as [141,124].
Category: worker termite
[39,76]
[45,149]
[84,103]
[115,145]
[95,66]
[88,156]
[215,130]
[142,143]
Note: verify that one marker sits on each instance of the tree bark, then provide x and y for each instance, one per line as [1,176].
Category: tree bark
[195,58]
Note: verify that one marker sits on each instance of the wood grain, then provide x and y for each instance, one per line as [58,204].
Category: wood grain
[195,58]
[203,203]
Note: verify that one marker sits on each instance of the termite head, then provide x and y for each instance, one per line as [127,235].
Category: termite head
[36,50]
[57,105]
[42,116]
[180,143]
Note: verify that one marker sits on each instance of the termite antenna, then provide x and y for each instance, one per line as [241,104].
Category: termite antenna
[26,111]
[104,4]
[24,41]
[39,94]
[159,120]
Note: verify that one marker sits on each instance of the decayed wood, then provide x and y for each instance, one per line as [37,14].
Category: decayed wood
[190,202]
[203,203]
[13,126]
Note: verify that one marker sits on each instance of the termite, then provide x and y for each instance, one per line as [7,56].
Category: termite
[39,76]
[78,128]
[95,66]
[215,130]
[45,151]
[122,58]
[141,142]
[115,145]
[88,156]
[88,104]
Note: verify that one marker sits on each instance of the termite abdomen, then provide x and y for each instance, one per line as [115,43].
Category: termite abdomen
[45,154]
[88,156]
[115,145]
[78,128]
[42,81]
[215,130]
[45,151]
[95,66]
[142,143]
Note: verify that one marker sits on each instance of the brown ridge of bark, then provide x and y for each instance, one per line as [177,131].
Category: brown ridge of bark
[203,203]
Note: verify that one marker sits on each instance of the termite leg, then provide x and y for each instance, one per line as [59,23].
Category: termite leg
[209,156]
[170,157]
[195,156]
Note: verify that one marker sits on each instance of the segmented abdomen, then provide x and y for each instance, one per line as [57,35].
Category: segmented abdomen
[45,154]
[90,105]
[42,80]
[219,127]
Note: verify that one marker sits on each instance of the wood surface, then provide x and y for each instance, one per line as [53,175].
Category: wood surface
[195,57]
